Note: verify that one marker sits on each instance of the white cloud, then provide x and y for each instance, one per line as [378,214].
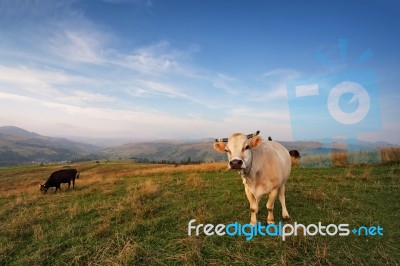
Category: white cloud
[154,60]
[228,84]
[275,85]
[82,47]
[38,8]
[89,45]
[47,83]
[284,73]
[137,2]
[149,88]
[27,77]
[35,81]
[91,97]
[277,115]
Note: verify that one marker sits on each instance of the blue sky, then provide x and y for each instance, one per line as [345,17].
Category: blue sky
[185,69]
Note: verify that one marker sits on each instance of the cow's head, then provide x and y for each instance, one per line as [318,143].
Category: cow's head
[238,148]
[43,188]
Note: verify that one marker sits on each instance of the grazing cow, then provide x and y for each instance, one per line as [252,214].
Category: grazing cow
[58,177]
[295,154]
[269,138]
[264,167]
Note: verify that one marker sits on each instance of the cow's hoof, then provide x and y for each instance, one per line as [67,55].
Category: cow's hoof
[286,218]
[270,222]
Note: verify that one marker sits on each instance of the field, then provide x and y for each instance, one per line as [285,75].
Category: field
[132,214]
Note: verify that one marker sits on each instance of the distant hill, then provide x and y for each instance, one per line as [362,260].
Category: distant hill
[176,151]
[18,146]
[17,132]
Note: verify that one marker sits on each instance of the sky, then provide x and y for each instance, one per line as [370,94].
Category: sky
[159,69]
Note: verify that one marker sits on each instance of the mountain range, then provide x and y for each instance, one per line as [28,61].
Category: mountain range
[19,146]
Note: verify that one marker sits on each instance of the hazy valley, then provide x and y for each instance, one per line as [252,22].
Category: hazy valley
[18,146]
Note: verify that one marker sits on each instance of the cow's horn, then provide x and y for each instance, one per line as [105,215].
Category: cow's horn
[253,134]
[221,140]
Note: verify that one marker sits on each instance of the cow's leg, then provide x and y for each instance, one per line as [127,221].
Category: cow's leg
[285,213]
[69,184]
[253,205]
[73,183]
[270,205]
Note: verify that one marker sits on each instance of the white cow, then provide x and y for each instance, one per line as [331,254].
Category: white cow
[264,167]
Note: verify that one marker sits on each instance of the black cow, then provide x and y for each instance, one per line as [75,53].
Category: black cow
[295,154]
[58,177]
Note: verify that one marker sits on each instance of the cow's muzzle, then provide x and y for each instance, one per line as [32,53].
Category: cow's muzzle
[236,164]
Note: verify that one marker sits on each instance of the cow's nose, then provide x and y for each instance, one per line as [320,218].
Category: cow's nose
[236,164]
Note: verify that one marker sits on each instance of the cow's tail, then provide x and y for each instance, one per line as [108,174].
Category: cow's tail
[77,175]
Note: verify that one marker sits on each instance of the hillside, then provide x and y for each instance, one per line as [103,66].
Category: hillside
[138,214]
[167,150]
[18,146]
[203,150]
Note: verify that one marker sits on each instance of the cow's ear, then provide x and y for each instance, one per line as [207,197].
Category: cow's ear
[219,146]
[255,141]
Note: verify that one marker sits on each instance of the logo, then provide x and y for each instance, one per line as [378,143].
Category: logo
[282,230]
[341,104]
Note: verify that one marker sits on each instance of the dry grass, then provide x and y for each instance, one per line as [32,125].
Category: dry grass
[317,160]
[391,154]
[340,159]
[118,170]
[125,254]
[194,180]
[318,195]
[148,188]
[322,252]
[295,162]
[135,214]
[366,175]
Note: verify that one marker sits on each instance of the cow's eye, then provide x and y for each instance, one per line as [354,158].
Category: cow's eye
[228,151]
[246,148]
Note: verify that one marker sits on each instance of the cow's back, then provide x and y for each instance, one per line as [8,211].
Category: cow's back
[275,158]
[64,175]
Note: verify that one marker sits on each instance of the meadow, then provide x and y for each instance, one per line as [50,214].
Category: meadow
[122,213]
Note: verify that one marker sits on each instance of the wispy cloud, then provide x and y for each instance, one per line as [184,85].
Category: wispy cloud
[228,84]
[154,59]
[83,96]
[88,45]
[35,8]
[50,84]
[36,81]
[275,85]
[77,46]
[34,77]
[136,2]
[150,88]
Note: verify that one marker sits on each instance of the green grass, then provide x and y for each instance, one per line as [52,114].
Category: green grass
[129,214]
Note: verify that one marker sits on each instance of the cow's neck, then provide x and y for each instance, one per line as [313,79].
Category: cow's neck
[246,172]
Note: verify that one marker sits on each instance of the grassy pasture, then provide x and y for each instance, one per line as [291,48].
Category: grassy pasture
[132,214]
